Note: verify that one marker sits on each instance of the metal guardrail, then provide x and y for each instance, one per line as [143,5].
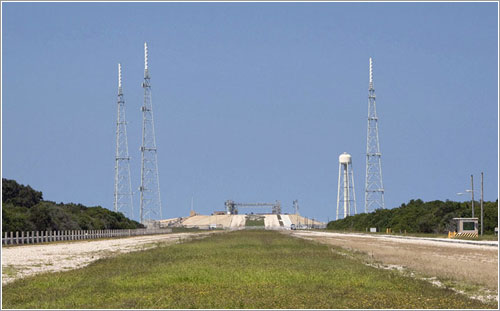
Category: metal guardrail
[33,237]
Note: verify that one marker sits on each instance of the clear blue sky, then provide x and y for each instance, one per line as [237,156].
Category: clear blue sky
[252,101]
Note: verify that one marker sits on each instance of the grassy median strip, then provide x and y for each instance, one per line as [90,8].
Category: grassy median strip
[243,269]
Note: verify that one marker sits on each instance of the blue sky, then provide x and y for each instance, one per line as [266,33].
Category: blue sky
[252,101]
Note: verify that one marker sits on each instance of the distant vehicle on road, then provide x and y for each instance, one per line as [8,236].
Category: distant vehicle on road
[292,226]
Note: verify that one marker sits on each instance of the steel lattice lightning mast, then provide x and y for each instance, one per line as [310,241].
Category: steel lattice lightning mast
[150,184]
[374,188]
[123,189]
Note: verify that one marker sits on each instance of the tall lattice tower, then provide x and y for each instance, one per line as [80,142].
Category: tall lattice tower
[374,187]
[150,183]
[123,189]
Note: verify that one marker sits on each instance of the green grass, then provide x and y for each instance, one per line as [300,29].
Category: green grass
[254,221]
[10,271]
[242,269]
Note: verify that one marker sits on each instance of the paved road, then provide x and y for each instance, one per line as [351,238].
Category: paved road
[409,239]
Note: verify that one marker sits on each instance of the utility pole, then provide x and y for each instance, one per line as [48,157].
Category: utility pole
[472,192]
[150,183]
[481,203]
[123,188]
[374,187]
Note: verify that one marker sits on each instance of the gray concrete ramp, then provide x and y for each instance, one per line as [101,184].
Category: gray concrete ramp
[271,222]
[286,221]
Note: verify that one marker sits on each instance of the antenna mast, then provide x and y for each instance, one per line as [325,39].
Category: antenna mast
[374,188]
[150,185]
[123,188]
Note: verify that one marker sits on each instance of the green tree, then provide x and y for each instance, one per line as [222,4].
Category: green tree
[24,210]
[418,216]
[19,195]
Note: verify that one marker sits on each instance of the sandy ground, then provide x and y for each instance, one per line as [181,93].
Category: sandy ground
[463,262]
[224,221]
[26,260]
[201,220]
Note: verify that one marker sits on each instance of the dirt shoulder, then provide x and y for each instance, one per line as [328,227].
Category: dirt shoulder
[27,260]
[462,262]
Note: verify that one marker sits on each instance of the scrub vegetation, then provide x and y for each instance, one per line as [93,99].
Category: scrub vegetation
[420,217]
[23,209]
[241,269]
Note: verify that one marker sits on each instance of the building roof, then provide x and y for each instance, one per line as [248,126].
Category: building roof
[459,218]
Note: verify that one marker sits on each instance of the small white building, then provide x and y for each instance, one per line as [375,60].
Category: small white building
[467,225]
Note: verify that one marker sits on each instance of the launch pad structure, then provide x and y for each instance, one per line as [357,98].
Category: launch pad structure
[150,202]
[232,207]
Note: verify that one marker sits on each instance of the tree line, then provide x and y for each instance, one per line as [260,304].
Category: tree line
[420,217]
[23,209]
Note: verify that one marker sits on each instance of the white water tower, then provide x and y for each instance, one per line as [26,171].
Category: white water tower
[346,196]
